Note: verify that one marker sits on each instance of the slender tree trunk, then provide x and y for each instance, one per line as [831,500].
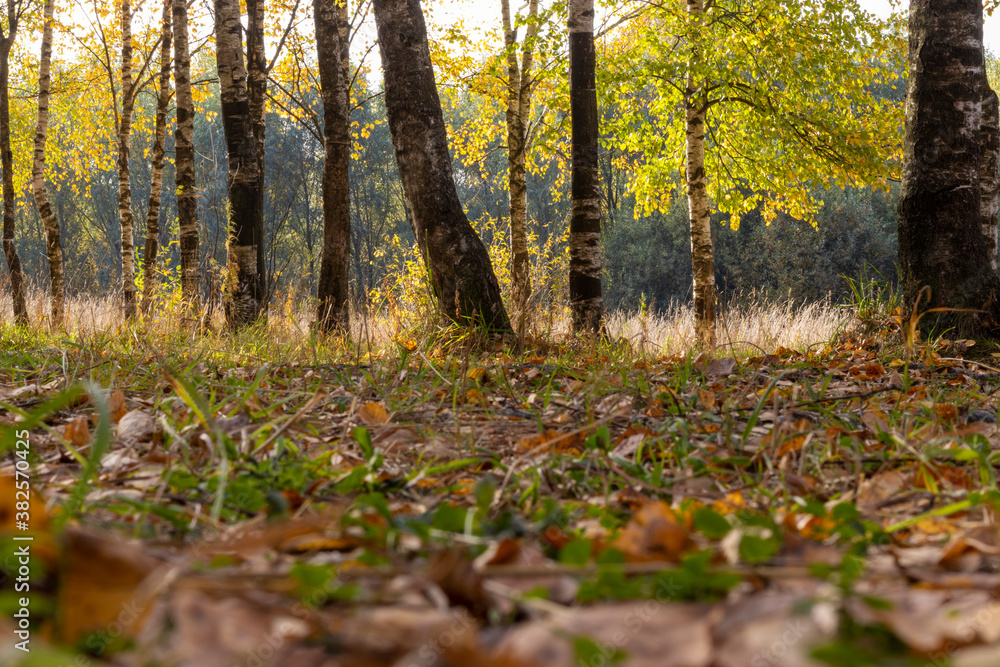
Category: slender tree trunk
[461,273]
[156,185]
[187,204]
[519,86]
[344,34]
[244,300]
[949,180]
[124,176]
[333,310]
[256,97]
[989,170]
[53,248]
[702,251]
[7,163]
[585,298]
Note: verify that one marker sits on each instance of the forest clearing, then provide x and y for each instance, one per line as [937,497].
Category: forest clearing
[615,333]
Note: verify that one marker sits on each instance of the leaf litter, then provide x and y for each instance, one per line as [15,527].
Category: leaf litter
[566,506]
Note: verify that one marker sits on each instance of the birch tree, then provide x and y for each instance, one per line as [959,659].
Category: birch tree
[518,114]
[948,203]
[53,247]
[336,253]
[128,91]
[695,112]
[156,179]
[461,273]
[788,106]
[187,204]
[245,293]
[585,205]
[15,12]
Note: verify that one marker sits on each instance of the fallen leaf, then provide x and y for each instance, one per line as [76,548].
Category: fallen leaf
[372,414]
[116,405]
[98,583]
[77,432]
[138,426]
[720,367]
[654,534]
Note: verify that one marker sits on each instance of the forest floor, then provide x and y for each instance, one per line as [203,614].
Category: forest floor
[456,499]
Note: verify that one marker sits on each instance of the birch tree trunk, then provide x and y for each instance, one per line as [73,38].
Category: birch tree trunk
[702,251]
[519,85]
[53,248]
[156,179]
[332,291]
[124,177]
[187,204]
[585,298]
[256,97]
[7,163]
[461,273]
[949,180]
[245,293]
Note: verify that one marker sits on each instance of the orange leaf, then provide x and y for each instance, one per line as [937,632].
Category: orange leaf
[116,404]
[372,414]
[78,432]
[654,534]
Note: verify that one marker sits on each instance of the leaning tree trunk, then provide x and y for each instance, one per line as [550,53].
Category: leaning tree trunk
[946,173]
[585,298]
[332,291]
[519,86]
[7,163]
[702,251]
[156,180]
[187,204]
[124,177]
[256,95]
[53,248]
[461,273]
[244,300]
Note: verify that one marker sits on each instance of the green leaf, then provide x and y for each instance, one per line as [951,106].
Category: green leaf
[755,549]
[710,523]
[576,552]
[364,440]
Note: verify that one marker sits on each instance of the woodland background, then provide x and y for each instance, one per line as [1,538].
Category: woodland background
[646,250]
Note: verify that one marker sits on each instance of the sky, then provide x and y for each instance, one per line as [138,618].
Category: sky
[991,30]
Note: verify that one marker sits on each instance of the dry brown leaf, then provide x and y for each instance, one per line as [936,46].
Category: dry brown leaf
[372,413]
[654,534]
[457,577]
[720,367]
[77,432]
[650,633]
[318,542]
[116,405]
[138,426]
[98,582]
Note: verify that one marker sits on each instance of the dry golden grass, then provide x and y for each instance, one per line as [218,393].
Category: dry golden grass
[749,326]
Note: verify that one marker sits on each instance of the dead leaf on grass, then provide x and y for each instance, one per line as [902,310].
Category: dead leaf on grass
[138,426]
[77,432]
[372,414]
[98,583]
[654,534]
[651,634]
[116,405]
